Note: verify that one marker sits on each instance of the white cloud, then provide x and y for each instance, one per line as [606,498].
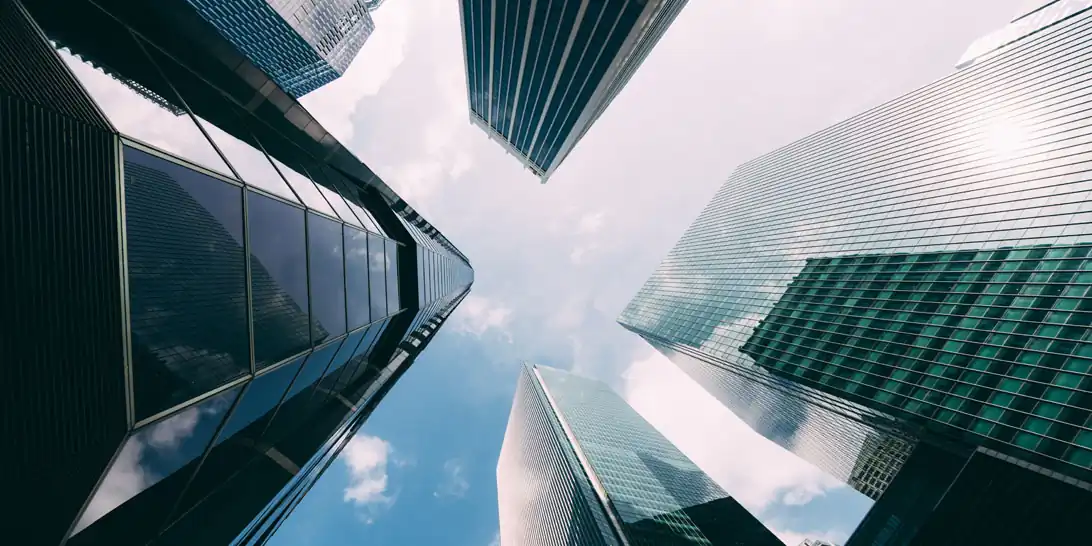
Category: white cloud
[476,315]
[757,472]
[335,104]
[794,538]
[454,483]
[366,458]
[590,223]
[496,540]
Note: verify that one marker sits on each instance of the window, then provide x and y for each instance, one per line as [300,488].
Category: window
[278,279]
[377,275]
[393,303]
[356,277]
[187,281]
[325,256]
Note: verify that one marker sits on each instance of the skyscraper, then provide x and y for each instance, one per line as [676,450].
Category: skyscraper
[918,273]
[580,466]
[213,294]
[541,72]
[301,44]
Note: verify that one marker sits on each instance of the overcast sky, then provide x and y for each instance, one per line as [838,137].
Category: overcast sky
[556,263]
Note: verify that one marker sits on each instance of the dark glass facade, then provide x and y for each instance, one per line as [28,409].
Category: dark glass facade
[916,273]
[579,466]
[231,336]
[539,74]
[301,44]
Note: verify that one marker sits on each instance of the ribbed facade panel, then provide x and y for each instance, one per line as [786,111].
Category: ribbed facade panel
[539,72]
[59,235]
[985,169]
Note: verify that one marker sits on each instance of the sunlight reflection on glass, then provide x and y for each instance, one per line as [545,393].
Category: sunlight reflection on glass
[155,452]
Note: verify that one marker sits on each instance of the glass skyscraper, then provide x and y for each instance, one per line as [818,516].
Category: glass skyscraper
[580,466]
[212,293]
[918,273]
[301,44]
[540,73]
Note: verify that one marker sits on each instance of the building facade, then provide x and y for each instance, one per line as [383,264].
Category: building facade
[916,273]
[580,466]
[210,303]
[301,44]
[539,74]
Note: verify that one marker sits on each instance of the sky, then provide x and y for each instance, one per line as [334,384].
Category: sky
[555,264]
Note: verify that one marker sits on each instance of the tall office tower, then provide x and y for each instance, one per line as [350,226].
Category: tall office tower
[301,44]
[211,295]
[915,274]
[580,466]
[539,73]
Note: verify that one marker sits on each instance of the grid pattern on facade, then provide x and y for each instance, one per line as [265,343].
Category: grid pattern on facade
[994,342]
[642,473]
[537,71]
[543,495]
[301,44]
[992,156]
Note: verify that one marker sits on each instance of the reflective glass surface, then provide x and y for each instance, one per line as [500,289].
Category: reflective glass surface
[305,188]
[924,263]
[250,162]
[377,275]
[327,262]
[261,397]
[278,276]
[313,368]
[151,454]
[393,304]
[141,114]
[345,352]
[356,277]
[187,281]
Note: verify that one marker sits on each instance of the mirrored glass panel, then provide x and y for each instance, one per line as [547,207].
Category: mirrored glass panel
[278,278]
[162,124]
[261,397]
[356,277]
[348,348]
[369,223]
[250,162]
[305,188]
[393,303]
[313,369]
[377,275]
[340,207]
[144,472]
[326,258]
[187,281]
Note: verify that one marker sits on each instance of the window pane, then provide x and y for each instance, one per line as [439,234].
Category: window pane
[278,277]
[393,303]
[187,281]
[151,455]
[356,277]
[325,241]
[348,348]
[340,207]
[305,188]
[138,117]
[313,368]
[250,162]
[366,217]
[377,275]
[261,396]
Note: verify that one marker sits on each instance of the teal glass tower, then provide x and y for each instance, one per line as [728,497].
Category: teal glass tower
[918,273]
[580,466]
